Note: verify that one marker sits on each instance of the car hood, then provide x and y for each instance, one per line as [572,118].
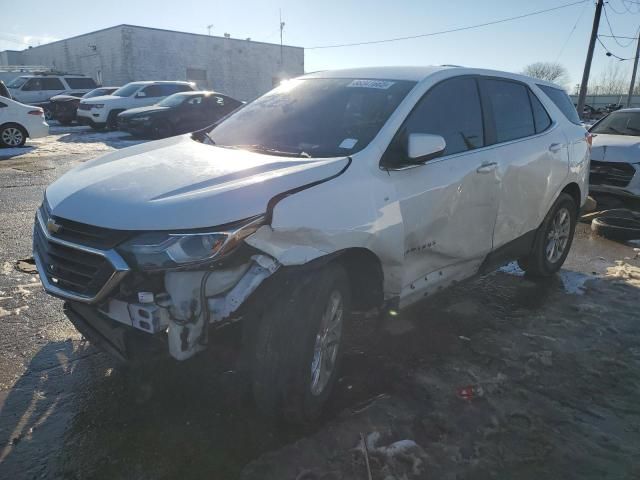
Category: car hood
[178,183]
[615,148]
[139,110]
[102,99]
[63,98]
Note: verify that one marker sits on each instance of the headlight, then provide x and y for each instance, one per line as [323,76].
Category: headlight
[97,105]
[163,250]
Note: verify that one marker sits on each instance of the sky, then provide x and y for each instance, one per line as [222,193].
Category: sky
[561,35]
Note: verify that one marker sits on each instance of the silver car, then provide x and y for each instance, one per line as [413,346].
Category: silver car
[615,155]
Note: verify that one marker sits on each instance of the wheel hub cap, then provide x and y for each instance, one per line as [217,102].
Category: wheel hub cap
[325,351]
[12,136]
[558,235]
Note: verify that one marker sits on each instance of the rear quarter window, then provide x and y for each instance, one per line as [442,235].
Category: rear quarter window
[83,82]
[562,101]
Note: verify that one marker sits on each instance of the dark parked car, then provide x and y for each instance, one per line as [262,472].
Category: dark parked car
[179,113]
[63,107]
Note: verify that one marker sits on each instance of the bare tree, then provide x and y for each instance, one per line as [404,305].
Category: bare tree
[613,80]
[550,71]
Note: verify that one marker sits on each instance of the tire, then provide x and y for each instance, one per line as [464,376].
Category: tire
[289,379]
[162,129]
[112,119]
[616,228]
[553,239]
[12,135]
[97,126]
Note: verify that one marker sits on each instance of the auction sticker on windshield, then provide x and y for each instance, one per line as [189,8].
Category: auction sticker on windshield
[348,143]
[380,84]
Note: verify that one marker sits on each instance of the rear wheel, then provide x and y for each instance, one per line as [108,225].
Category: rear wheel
[553,239]
[298,341]
[12,135]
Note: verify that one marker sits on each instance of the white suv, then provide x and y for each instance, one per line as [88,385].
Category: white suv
[99,112]
[337,191]
[39,88]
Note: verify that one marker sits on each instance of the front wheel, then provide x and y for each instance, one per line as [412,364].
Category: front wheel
[553,239]
[298,342]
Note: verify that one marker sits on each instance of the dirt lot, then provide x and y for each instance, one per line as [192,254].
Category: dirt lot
[501,377]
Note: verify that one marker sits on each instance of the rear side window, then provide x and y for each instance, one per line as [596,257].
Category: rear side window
[83,82]
[451,109]
[540,116]
[562,101]
[52,84]
[511,108]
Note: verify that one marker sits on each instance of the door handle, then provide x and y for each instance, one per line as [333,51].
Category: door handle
[555,147]
[487,167]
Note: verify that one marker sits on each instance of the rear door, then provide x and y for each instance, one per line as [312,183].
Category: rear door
[532,155]
[51,86]
[449,204]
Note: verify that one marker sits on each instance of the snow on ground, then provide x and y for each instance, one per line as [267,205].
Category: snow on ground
[73,140]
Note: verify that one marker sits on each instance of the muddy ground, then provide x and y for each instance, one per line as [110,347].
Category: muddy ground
[501,377]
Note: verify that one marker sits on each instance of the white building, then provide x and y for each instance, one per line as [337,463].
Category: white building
[243,69]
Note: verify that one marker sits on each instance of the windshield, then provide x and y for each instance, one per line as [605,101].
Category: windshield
[173,100]
[619,123]
[128,90]
[316,117]
[98,92]
[17,82]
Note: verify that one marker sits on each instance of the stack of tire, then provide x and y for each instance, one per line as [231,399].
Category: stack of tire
[620,224]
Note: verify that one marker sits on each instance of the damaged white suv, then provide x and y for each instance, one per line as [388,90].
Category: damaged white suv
[337,191]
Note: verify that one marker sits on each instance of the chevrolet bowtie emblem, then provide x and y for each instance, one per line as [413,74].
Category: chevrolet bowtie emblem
[52,226]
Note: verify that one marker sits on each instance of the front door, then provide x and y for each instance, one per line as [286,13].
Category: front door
[449,204]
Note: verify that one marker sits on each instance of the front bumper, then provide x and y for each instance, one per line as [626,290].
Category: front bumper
[122,343]
[612,184]
[95,116]
[140,129]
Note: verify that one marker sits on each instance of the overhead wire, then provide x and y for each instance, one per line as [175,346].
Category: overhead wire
[613,35]
[611,54]
[442,32]
[571,32]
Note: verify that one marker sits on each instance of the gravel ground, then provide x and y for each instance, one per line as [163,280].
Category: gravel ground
[501,377]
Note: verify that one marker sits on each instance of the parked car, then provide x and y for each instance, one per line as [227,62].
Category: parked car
[19,122]
[179,113]
[64,107]
[612,107]
[37,89]
[4,91]
[100,112]
[339,190]
[615,156]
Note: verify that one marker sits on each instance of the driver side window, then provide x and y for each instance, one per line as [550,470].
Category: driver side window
[450,109]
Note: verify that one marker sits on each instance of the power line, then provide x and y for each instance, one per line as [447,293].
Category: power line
[442,32]
[571,32]
[617,36]
[609,54]
[613,35]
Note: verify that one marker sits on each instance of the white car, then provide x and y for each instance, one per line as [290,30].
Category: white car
[339,190]
[615,157]
[100,112]
[38,88]
[19,122]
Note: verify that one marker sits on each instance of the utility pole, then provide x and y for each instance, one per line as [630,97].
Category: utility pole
[587,63]
[281,29]
[209,27]
[633,74]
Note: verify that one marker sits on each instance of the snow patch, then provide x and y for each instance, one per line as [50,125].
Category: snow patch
[574,281]
[512,269]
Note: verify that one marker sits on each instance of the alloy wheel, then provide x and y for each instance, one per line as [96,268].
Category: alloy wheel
[558,235]
[12,136]
[325,351]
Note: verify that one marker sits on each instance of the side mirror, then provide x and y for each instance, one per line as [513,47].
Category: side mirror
[141,95]
[422,147]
